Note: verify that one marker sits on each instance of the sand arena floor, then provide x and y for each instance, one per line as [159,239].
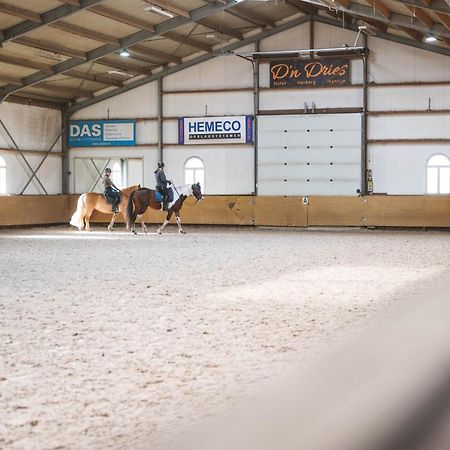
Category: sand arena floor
[115,341]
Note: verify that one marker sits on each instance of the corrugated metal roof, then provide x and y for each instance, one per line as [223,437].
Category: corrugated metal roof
[80,39]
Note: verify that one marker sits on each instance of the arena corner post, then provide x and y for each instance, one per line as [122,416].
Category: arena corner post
[364,158]
[65,115]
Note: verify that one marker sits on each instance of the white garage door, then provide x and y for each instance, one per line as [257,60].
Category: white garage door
[309,154]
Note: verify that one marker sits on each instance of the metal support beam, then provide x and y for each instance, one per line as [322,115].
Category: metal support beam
[65,150]
[99,173]
[255,116]
[160,119]
[45,19]
[21,153]
[42,162]
[202,58]
[364,159]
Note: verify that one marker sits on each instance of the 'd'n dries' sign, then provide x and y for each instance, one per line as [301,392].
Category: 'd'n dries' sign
[310,73]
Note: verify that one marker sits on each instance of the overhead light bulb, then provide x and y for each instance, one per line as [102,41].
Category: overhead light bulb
[160,11]
[124,53]
[430,39]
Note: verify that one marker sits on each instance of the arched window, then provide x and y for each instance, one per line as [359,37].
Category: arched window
[116,174]
[194,172]
[2,175]
[438,175]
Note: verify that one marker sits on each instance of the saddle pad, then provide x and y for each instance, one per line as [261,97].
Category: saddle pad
[159,197]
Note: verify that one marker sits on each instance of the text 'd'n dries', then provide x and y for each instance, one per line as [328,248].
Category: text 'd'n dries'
[310,73]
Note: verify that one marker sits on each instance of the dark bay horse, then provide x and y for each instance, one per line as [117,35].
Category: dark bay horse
[144,198]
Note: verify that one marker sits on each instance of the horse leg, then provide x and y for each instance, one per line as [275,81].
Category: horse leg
[161,228]
[88,225]
[180,228]
[143,226]
[111,224]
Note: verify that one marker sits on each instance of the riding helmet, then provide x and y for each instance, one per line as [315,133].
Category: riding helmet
[107,170]
[160,164]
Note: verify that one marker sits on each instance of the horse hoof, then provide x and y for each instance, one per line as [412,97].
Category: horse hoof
[182,232]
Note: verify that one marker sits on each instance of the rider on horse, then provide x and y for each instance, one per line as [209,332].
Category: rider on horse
[111,190]
[161,184]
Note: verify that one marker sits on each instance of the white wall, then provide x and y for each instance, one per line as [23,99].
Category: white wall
[33,128]
[397,169]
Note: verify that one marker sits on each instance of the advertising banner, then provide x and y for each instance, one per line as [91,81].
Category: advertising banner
[310,73]
[100,133]
[215,130]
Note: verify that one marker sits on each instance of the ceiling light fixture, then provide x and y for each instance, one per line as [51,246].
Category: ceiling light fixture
[124,53]
[430,39]
[160,11]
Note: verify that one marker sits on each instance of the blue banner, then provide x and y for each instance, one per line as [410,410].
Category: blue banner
[101,133]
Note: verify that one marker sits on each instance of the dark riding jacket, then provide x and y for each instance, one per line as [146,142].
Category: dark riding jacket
[161,180]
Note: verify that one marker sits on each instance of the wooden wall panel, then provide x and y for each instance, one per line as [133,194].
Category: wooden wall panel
[34,209]
[280,211]
[336,211]
[408,211]
[375,210]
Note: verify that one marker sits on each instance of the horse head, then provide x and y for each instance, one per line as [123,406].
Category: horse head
[197,191]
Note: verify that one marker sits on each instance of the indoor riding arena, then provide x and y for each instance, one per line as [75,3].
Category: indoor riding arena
[225,224]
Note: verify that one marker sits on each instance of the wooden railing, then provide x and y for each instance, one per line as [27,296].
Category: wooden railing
[374,210]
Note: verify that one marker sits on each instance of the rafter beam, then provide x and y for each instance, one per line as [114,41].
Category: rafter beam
[47,68]
[63,90]
[146,51]
[188,41]
[381,8]
[101,79]
[164,4]
[416,35]
[84,32]
[422,16]
[220,28]
[45,18]
[387,36]
[396,20]
[19,12]
[119,16]
[444,19]
[107,39]
[434,5]
[26,62]
[50,46]
[123,65]
[21,99]
[107,49]
[251,16]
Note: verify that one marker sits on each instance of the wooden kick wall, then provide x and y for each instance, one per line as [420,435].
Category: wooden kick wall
[374,210]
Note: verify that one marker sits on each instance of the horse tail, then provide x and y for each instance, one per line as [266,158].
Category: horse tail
[77,217]
[130,209]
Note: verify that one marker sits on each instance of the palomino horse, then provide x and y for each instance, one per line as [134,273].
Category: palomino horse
[90,201]
[143,198]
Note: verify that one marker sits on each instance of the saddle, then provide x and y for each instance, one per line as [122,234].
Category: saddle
[159,196]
